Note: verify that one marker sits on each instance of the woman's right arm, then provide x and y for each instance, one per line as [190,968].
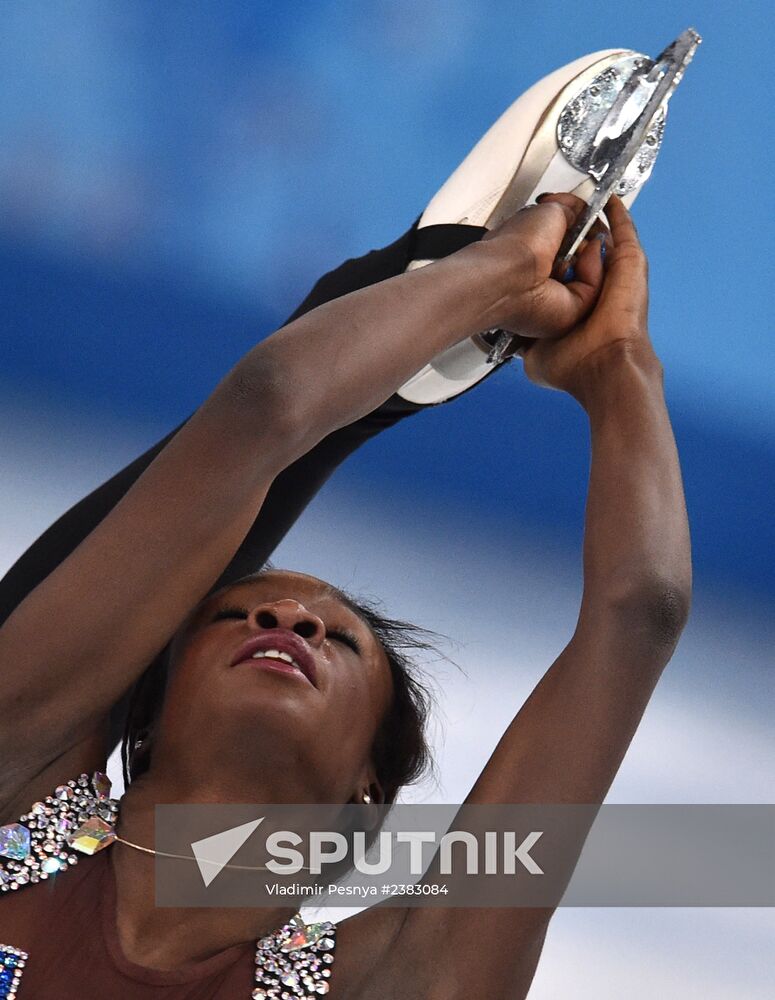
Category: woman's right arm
[77,642]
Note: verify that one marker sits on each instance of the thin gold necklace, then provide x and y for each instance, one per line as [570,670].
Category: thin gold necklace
[80,818]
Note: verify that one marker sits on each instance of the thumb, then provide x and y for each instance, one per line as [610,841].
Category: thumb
[561,307]
[540,227]
[545,226]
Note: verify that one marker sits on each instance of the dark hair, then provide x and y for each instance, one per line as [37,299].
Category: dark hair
[401,751]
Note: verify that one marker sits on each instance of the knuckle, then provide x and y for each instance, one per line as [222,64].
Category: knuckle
[525,263]
[561,210]
[632,255]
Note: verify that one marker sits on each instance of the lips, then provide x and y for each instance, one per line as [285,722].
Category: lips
[273,642]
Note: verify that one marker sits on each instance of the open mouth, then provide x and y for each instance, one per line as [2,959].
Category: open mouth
[275,654]
[277,660]
[278,649]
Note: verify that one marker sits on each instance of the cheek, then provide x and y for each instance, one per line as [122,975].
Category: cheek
[192,677]
[356,702]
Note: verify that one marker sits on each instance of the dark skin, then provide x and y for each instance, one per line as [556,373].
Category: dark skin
[351,692]
[194,505]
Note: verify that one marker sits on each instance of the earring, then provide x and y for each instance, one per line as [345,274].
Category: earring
[366,799]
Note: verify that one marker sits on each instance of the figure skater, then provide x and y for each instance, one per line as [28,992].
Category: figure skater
[149,610]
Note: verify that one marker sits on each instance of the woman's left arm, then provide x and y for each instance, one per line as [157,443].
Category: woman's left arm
[567,741]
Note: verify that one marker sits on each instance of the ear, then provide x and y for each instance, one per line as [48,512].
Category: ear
[368,791]
[139,753]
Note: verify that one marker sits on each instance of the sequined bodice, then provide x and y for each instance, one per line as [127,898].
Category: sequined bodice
[79,819]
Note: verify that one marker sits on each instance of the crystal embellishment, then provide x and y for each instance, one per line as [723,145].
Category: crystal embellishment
[92,836]
[14,841]
[101,784]
[585,115]
[12,962]
[291,963]
[295,961]
[304,935]
[37,847]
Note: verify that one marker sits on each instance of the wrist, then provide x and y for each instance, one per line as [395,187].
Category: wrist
[490,283]
[614,371]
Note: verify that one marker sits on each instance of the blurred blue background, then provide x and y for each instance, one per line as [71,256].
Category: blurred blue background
[175,176]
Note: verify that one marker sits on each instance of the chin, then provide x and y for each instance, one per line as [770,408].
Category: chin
[268,706]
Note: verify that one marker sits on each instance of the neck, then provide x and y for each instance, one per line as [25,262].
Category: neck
[167,937]
[282,778]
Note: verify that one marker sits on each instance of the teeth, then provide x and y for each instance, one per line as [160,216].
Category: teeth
[275,654]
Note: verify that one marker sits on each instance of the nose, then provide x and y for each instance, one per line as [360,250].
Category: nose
[289,614]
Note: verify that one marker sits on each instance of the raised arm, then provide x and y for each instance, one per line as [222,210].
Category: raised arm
[567,741]
[75,644]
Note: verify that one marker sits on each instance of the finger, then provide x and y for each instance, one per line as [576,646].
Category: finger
[535,360]
[583,290]
[600,236]
[599,228]
[559,212]
[623,228]
[544,224]
[625,290]
[628,259]
[563,306]
[571,201]
[589,265]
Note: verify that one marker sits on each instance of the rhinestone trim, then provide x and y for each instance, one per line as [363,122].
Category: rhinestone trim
[293,962]
[583,116]
[12,962]
[41,843]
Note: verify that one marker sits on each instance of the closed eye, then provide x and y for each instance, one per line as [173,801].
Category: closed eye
[223,613]
[342,635]
[345,637]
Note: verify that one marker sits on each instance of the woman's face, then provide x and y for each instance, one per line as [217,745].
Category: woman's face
[238,708]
